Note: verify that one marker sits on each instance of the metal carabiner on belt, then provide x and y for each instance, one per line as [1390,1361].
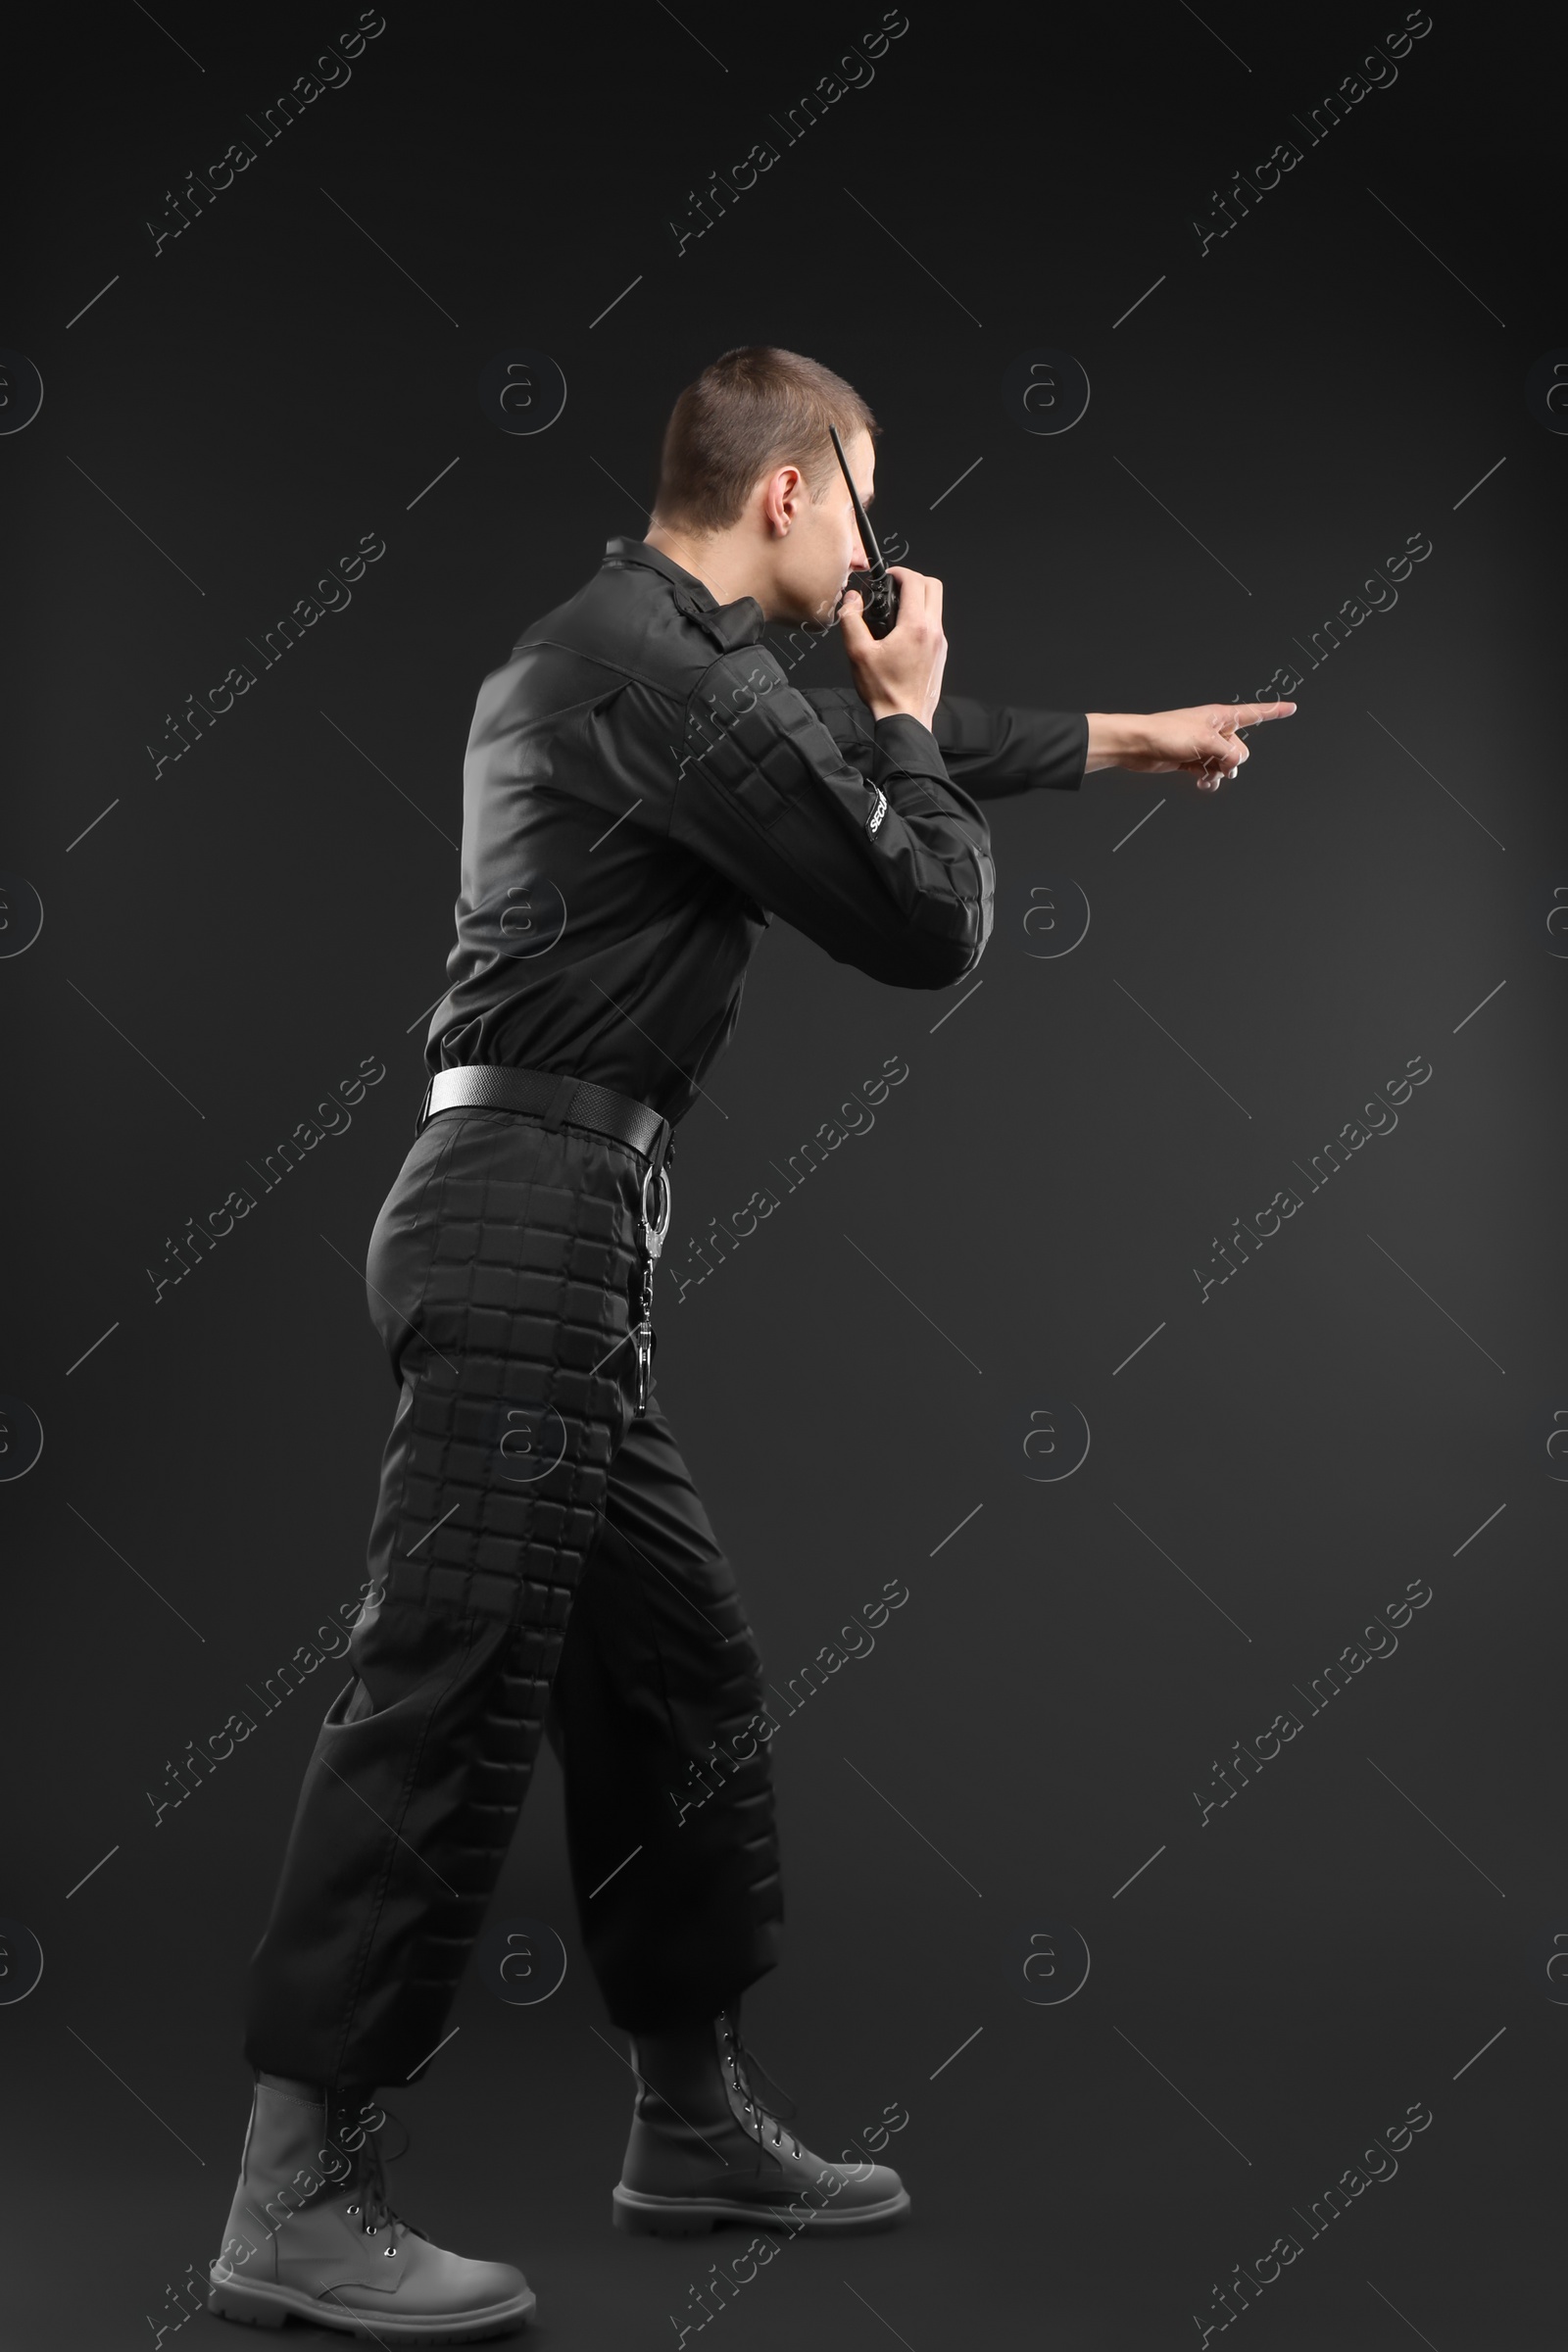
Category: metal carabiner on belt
[651,1234]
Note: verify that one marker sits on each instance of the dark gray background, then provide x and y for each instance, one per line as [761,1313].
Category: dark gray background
[1279,1462]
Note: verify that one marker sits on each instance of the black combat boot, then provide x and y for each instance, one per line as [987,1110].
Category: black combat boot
[704,2149]
[311,2236]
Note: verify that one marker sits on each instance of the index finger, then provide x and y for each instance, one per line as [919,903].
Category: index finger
[914,589]
[1252,714]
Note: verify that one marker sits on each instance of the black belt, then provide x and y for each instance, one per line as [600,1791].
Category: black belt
[558,1101]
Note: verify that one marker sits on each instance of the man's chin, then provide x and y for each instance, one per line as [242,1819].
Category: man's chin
[818,618]
[825,612]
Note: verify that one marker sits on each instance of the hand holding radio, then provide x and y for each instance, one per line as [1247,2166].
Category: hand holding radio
[890,623]
[901,673]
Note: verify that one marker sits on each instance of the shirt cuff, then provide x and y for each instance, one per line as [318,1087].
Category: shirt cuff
[903,742]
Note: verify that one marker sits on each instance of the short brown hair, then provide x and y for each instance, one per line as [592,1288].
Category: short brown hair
[754,408]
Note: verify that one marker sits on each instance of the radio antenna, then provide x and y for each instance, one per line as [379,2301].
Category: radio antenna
[876,561]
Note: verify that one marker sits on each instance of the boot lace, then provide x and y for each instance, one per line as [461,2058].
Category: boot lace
[752,2087]
[372,2206]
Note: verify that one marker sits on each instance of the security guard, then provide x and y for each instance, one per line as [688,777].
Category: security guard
[644,790]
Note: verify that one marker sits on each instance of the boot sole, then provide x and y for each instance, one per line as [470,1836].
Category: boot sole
[643,2216]
[261,2306]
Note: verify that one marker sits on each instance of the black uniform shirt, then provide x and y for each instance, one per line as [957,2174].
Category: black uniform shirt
[644,789]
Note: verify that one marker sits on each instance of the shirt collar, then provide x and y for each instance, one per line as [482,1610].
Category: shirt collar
[738,623]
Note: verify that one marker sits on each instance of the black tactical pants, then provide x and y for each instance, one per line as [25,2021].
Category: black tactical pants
[541,1561]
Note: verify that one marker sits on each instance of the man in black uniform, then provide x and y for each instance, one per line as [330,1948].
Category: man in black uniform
[644,790]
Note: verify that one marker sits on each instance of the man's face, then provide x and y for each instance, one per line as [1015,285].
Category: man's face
[811,565]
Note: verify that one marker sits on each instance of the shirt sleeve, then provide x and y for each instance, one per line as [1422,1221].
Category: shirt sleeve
[994,754]
[883,860]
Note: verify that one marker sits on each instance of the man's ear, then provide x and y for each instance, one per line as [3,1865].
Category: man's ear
[783,497]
